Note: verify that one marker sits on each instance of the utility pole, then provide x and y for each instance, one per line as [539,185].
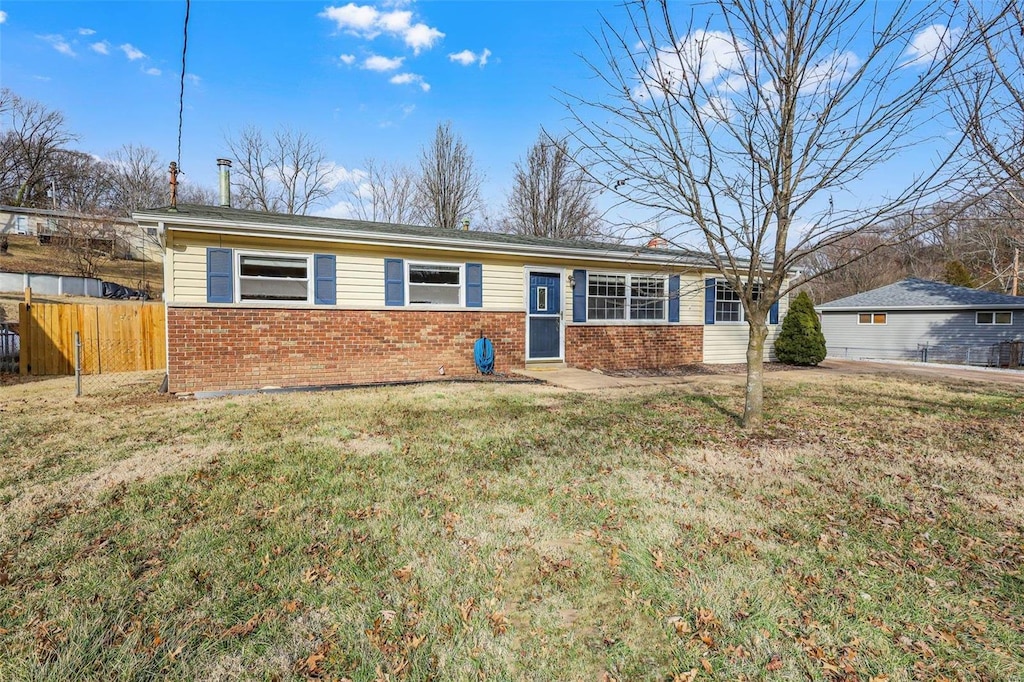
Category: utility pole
[1016,270]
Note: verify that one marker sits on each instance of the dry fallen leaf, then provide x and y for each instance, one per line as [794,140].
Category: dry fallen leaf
[404,573]
[774,664]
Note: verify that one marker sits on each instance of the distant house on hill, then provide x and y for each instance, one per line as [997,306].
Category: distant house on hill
[917,319]
[111,234]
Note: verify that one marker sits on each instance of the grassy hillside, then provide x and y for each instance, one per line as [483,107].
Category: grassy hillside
[871,531]
[26,254]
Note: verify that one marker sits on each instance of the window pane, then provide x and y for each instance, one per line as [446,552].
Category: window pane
[1004,318]
[270,289]
[727,304]
[542,298]
[435,284]
[606,298]
[864,318]
[647,298]
[438,294]
[879,318]
[434,274]
[984,318]
[273,266]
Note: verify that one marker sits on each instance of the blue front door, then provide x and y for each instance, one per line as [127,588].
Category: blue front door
[544,324]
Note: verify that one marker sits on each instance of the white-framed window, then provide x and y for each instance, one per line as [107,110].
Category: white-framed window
[728,306]
[872,318]
[994,317]
[274,277]
[626,297]
[434,283]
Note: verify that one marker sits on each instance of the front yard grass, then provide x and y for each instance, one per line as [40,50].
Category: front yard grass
[872,530]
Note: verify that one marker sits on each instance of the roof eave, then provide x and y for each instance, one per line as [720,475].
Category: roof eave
[249,229]
[887,308]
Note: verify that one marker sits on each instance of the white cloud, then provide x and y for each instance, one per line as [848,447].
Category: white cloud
[468,57]
[193,78]
[86,32]
[410,78]
[102,47]
[132,52]
[368,22]
[58,43]
[378,63]
[152,71]
[348,59]
[3,17]
[931,43]
[421,37]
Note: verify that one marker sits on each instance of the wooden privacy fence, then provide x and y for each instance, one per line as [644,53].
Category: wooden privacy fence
[122,337]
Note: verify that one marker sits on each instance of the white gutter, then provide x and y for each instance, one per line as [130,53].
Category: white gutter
[920,308]
[373,238]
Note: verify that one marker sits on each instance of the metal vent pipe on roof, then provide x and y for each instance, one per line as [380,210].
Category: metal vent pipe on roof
[224,172]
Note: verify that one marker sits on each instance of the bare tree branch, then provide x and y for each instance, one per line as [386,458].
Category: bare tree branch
[289,173]
[448,187]
[383,192]
[551,195]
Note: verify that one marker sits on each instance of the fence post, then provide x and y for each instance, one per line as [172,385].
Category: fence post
[78,365]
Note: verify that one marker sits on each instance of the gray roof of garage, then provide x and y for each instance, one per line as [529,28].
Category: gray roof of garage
[923,294]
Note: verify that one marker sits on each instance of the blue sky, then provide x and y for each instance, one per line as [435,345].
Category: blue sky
[113,68]
[370,78]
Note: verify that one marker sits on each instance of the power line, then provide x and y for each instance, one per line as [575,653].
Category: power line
[181,93]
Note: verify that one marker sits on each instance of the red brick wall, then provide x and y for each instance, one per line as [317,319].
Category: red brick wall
[615,347]
[240,348]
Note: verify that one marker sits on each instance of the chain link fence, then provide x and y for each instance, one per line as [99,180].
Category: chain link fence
[1007,354]
[10,348]
[104,366]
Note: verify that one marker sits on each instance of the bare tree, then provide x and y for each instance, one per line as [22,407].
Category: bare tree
[288,173]
[551,194]
[138,179]
[989,106]
[741,127]
[383,192]
[189,193]
[32,135]
[448,187]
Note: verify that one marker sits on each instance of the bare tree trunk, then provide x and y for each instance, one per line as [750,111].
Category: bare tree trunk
[753,407]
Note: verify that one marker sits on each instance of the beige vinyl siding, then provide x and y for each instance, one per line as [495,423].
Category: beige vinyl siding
[359,269]
[726,343]
[503,285]
[360,279]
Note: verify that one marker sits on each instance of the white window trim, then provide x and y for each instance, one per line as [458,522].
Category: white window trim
[237,274]
[993,323]
[872,323]
[629,295]
[462,284]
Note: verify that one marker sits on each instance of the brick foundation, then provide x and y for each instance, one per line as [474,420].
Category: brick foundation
[214,349]
[618,347]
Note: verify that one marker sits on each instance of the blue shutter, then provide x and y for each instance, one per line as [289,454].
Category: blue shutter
[394,281]
[325,287]
[579,296]
[773,313]
[474,285]
[709,300]
[673,298]
[220,279]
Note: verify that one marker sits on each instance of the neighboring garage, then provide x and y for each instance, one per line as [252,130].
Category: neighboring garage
[917,319]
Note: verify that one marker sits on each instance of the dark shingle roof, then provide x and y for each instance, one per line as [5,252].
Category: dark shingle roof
[216,214]
[922,293]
